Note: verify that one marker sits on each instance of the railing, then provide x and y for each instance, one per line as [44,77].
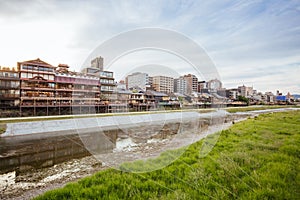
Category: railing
[9,95]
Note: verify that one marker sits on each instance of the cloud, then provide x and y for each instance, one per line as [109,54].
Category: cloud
[242,37]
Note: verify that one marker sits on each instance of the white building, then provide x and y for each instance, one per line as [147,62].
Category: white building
[138,79]
[180,85]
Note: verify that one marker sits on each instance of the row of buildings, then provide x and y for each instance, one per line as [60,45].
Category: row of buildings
[185,85]
[36,87]
[199,92]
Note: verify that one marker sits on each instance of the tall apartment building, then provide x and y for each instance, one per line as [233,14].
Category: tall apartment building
[108,87]
[180,85]
[97,63]
[192,83]
[138,79]
[163,84]
[9,87]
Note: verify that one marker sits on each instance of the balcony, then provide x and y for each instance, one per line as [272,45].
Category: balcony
[9,95]
[37,88]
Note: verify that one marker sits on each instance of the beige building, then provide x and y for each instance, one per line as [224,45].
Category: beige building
[163,84]
[245,91]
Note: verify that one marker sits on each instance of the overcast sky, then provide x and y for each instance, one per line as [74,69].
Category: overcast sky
[256,43]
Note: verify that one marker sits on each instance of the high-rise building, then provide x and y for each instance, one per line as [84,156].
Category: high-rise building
[138,79]
[180,85]
[97,63]
[192,83]
[108,86]
[95,68]
[163,84]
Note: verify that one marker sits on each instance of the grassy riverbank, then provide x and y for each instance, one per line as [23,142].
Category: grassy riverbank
[253,108]
[254,159]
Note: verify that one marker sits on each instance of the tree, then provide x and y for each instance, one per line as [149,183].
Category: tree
[244,99]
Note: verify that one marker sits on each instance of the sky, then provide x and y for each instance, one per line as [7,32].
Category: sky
[255,43]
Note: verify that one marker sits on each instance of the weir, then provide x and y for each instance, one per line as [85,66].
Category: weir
[25,152]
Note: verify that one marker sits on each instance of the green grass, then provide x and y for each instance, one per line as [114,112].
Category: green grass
[253,108]
[255,159]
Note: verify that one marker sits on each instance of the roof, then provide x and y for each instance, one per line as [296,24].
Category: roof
[37,62]
[179,95]
[155,93]
[280,98]
[124,91]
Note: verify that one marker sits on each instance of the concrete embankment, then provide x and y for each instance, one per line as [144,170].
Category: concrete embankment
[39,144]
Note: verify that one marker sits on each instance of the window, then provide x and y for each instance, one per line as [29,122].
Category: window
[51,85]
[23,75]
[51,77]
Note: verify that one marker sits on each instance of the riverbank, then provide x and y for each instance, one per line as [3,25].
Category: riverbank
[130,145]
[34,182]
[257,158]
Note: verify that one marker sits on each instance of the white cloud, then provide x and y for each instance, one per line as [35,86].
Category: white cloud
[240,36]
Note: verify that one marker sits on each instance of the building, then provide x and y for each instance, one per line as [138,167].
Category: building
[48,90]
[95,68]
[97,63]
[9,87]
[232,94]
[108,87]
[214,85]
[77,91]
[245,91]
[270,97]
[180,85]
[192,83]
[37,86]
[201,86]
[107,82]
[138,79]
[121,85]
[163,84]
